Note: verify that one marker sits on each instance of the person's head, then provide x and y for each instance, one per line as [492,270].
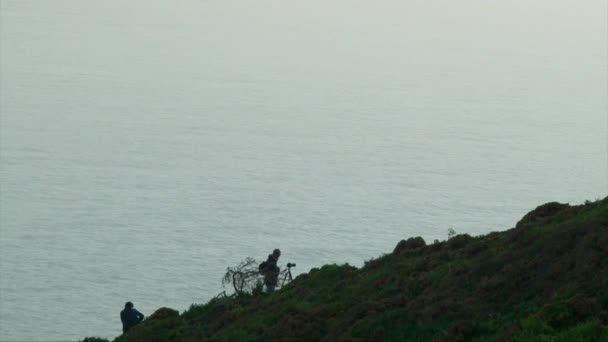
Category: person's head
[128,305]
[276,253]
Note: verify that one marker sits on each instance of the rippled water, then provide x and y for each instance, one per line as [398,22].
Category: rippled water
[148,145]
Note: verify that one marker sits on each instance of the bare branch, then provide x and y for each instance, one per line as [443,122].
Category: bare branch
[245,277]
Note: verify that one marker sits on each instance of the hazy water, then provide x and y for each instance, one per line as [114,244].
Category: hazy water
[147,145]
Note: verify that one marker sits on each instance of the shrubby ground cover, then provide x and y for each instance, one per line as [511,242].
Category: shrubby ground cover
[544,280]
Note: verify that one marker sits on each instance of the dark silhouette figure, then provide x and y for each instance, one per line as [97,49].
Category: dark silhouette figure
[271,271]
[130,317]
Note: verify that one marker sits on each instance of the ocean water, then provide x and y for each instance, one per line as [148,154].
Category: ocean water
[145,146]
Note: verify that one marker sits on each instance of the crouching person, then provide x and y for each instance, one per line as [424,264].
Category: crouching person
[130,317]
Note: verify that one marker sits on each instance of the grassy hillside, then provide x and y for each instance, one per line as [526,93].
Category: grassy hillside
[544,280]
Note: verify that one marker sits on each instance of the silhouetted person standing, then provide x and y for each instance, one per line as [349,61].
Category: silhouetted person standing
[130,317]
[271,272]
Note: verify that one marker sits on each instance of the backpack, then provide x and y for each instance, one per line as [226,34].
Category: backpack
[262,267]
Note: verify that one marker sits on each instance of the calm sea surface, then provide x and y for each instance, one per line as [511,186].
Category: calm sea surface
[148,145]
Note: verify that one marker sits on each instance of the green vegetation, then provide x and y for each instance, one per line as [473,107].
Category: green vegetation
[544,280]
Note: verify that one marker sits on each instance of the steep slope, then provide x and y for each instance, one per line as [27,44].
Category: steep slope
[545,279]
